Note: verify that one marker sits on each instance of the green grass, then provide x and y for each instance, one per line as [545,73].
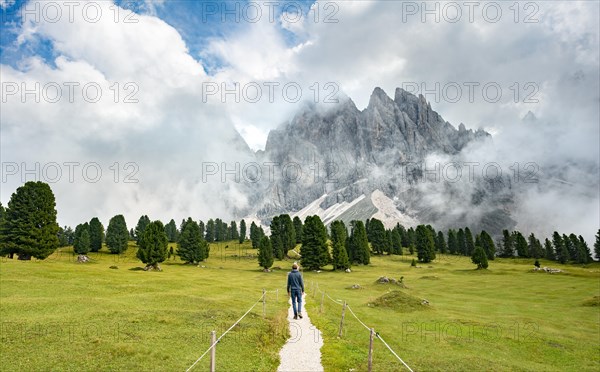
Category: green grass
[503,318]
[58,314]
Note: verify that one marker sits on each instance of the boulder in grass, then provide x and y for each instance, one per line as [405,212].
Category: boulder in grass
[83,258]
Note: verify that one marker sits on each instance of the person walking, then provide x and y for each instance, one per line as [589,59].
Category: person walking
[295,289]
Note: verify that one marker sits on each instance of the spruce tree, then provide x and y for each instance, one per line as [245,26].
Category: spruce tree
[584,255]
[265,253]
[359,244]
[377,236]
[572,244]
[549,250]
[452,242]
[29,227]
[314,252]
[288,233]
[255,235]
[234,233]
[191,247]
[96,234]
[487,243]
[242,231]
[479,258]
[520,244]
[298,229]
[171,231]
[339,235]
[597,245]
[210,231]
[143,222]
[424,244]
[440,243]
[81,246]
[396,241]
[153,245]
[535,247]
[508,250]
[202,228]
[469,243]
[461,242]
[277,237]
[117,235]
[562,254]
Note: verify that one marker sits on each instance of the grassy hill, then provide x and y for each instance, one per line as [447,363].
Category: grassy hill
[58,314]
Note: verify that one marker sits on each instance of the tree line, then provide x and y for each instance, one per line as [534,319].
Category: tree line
[28,229]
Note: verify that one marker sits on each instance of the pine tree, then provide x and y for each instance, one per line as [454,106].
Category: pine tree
[487,243]
[314,252]
[410,233]
[153,245]
[210,231]
[377,236]
[520,244]
[452,242]
[440,243]
[358,247]
[96,234]
[469,244]
[298,229]
[192,248]
[549,250]
[508,250]
[171,231]
[117,235]
[339,235]
[424,244]
[479,258]
[265,253]
[562,254]
[29,227]
[242,231]
[81,246]
[597,246]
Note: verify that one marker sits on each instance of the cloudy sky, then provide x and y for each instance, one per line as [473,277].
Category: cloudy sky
[143,91]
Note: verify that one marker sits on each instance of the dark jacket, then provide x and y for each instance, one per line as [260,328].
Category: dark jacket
[295,281]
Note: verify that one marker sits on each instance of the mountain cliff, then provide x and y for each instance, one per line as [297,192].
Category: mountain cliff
[343,159]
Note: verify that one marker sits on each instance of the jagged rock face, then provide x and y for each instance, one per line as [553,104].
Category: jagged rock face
[346,153]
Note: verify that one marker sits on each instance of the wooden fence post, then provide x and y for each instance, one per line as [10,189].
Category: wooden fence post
[213,352]
[264,303]
[370,365]
[342,321]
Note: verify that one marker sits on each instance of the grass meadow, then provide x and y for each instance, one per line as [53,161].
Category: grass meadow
[58,314]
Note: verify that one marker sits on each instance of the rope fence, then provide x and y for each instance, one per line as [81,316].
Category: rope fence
[215,342]
[370,329]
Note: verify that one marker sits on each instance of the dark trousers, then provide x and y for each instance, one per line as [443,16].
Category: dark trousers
[297,301]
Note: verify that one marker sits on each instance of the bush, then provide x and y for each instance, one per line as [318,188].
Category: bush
[413,263]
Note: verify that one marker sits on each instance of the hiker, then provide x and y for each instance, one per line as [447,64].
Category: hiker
[295,289]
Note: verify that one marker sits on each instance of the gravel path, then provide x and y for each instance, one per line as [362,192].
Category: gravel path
[302,351]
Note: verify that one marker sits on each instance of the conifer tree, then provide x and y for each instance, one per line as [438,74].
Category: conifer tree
[508,250]
[242,236]
[549,250]
[452,242]
[561,252]
[96,234]
[479,258]
[265,253]
[29,227]
[298,229]
[487,243]
[191,247]
[440,243]
[520,244]
[424,244]
[117,235]
[314,252]
[143,222]
[469,243]
[339,235]
[597,245]
[153,245]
